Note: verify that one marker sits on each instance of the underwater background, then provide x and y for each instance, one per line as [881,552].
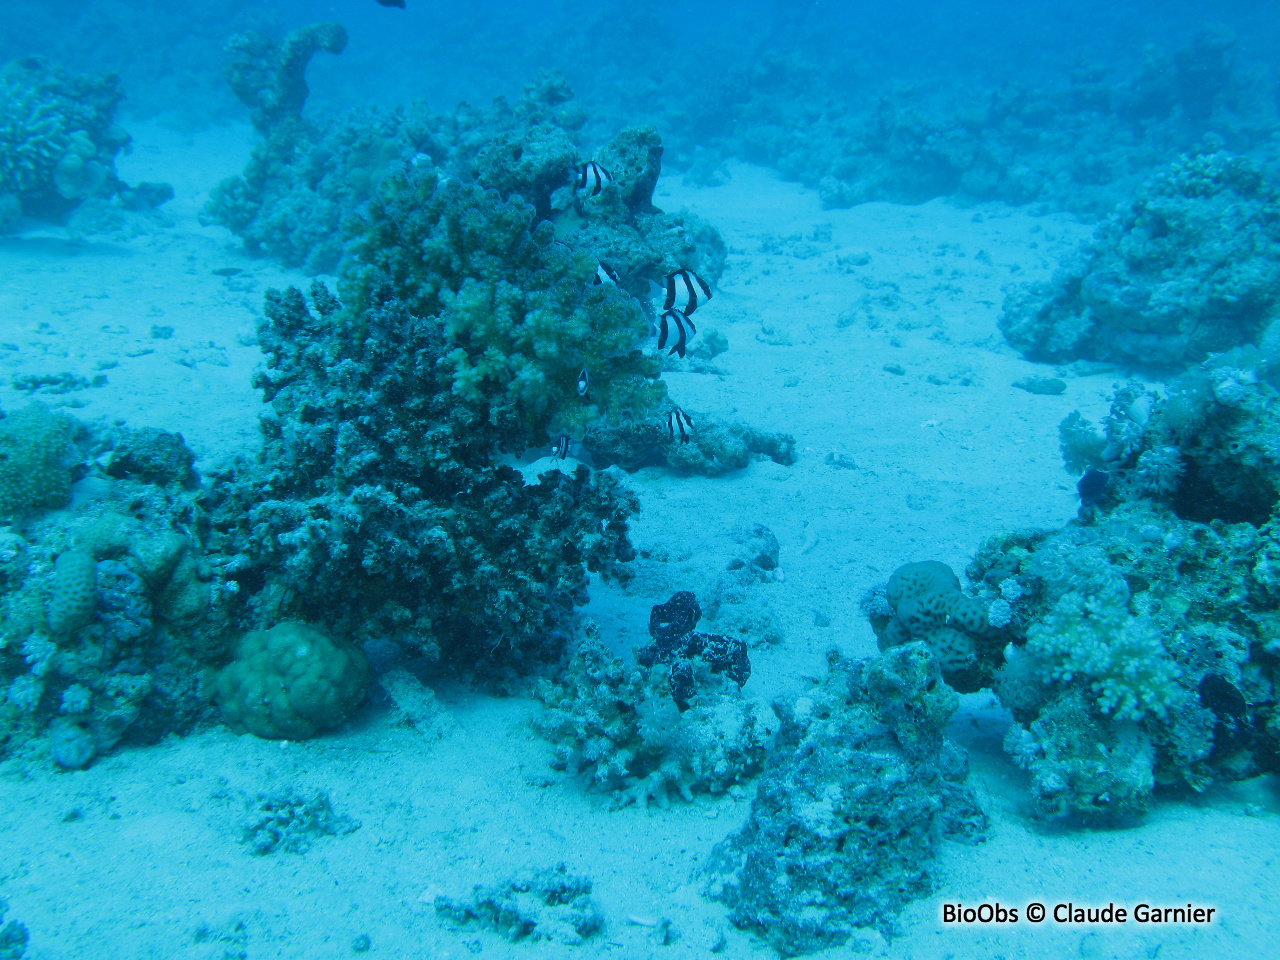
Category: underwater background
[639,480]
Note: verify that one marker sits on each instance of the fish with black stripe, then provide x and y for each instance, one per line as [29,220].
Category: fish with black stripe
[679,422]
[605,274]
[684,328]
[683,289]
[590,178]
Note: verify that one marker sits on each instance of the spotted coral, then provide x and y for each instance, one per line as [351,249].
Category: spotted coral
[35,453]
[926,604]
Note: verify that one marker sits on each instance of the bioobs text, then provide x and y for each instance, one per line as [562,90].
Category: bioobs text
[1072,913]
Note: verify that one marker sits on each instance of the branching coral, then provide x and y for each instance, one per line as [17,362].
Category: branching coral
[377,507]
[1120,657]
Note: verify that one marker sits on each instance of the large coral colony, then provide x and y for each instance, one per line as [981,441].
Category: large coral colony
[491,296]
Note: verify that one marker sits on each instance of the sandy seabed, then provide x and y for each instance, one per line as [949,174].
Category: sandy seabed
[870,335]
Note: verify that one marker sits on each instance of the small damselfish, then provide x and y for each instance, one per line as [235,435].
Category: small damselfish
[584,381]
[684,327]
[605,274]
[590,179]
[679,422]
[683,288]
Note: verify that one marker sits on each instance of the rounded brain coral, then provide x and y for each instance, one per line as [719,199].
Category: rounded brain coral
[291,682]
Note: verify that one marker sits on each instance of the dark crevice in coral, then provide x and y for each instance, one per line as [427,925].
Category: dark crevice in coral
[1232,493]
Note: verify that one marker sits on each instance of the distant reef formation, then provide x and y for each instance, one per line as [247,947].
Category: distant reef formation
[1081,147]
[306,176]
[1189,267]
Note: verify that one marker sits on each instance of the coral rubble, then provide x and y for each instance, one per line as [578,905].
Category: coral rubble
[290,821]
[550,904]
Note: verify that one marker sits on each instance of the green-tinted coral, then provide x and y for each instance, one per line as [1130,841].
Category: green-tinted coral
[519,314]
[291,682]
[1120,657]
[35,454]
[377,499]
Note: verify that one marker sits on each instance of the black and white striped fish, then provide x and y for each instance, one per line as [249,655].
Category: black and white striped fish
[683,289]
[590,179]
[684,327]
[605,274]
[560,449]
[584,381]
[679,422]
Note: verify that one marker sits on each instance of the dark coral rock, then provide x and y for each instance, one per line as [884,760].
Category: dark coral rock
[849,812]
[671,625]
[671,621]
[153,456]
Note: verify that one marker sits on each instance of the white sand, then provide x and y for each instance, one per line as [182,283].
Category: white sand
[138,855]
